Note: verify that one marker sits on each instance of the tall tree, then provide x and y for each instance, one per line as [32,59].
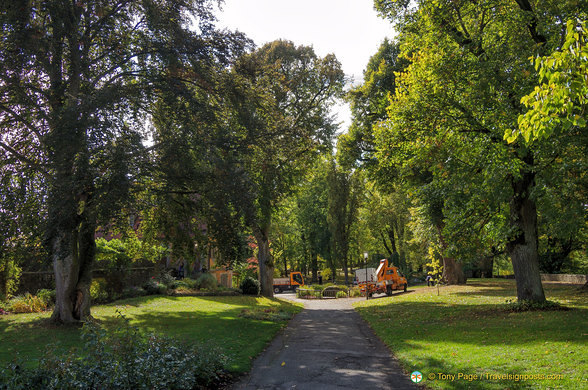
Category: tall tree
[285,129]
[75,78]
[344,190]
[469,69]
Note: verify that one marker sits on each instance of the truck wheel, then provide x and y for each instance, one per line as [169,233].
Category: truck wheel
[405,287]
[277,290]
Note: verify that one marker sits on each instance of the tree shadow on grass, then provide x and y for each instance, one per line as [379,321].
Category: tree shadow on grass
[469,377]
[507,289]
[481,324]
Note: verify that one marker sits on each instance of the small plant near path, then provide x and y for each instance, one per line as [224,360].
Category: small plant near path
[477,330]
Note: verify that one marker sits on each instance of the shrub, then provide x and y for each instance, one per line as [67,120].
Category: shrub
[326,274]
[168,280]
[134,291]
[341,294]
[9,275]
[98,291]
[26,303]
[250,286]
[153,287]
[207,281]
[47,296]
[355,292]
[189,284]
[122,358]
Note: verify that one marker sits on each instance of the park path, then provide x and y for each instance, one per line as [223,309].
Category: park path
[326,346]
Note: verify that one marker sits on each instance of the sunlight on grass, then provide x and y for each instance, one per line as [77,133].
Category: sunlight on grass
[467,330]
[214,321]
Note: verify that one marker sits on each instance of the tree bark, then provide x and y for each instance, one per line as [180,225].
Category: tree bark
[522,246]
[266,263]
[314,265]
[452,271]
[73,250]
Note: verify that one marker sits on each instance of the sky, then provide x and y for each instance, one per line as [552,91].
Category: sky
[350,29]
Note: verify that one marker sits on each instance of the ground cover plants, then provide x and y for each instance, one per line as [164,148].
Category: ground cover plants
[473,330]
[215,321]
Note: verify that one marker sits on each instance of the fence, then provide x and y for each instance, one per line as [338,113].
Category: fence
[33,281]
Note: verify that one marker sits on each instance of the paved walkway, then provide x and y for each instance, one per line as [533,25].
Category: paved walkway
[326,346]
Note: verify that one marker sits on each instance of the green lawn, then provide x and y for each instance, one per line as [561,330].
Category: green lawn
[215,320]
[467,330]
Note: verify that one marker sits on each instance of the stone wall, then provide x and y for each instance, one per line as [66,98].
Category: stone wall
[564,278]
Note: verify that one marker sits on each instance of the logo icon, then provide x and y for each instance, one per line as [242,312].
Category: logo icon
[416,376]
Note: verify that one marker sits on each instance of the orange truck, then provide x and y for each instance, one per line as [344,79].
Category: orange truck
[290,283]
[385,279]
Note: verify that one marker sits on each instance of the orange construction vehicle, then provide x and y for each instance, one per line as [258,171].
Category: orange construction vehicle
[291,283]
[383,280]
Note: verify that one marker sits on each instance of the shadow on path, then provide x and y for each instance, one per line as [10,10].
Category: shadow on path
[326,346]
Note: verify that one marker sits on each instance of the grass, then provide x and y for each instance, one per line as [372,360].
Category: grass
[469,330]
[239,325]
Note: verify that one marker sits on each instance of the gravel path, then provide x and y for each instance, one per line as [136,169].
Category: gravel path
[326,346]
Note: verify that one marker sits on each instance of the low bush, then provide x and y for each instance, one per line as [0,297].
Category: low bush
[355,292]
[26,303]
[250,286]
[187,283]
[122,358]
[206,281]
[47,296]
[308,293]
[168,280]
[153,287]
[341,294]
[326,274]
[134,291]
[98,290]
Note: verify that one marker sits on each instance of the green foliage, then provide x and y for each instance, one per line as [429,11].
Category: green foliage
[207,281]
[9,275]
[122,358]
[326,273]
[47,296]
[99,290]
[153,287]
[560,102]
[187,283]
[341,294]
[355,292]
[307,293]
[250,286]
[168,280]
[133,291]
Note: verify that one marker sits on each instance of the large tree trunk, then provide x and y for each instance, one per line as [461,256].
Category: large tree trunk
[72,248]
[266,263]
[73,255]
[522,246]
[452,271]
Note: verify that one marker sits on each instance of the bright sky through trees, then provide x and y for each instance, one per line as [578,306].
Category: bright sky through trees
[350,29]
